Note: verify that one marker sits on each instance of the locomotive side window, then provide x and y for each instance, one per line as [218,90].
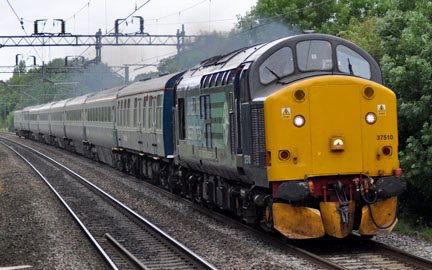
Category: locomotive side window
[314,55]
[278,65]
[352,63]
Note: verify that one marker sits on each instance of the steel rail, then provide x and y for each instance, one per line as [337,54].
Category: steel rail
[197,259]
[316,259]
[399,254]
[77,219]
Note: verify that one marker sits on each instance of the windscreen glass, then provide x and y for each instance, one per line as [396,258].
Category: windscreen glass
[352,63]
[278,65]
[314,55]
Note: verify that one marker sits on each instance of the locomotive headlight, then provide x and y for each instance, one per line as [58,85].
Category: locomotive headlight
[337,143]
[299,121]
[371,118]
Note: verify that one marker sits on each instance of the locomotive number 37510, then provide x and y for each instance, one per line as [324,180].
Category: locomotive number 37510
[384,137]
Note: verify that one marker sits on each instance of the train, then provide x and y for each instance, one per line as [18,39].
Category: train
[297,136]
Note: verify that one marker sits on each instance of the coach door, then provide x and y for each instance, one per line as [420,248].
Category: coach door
[152,122]
[138,123]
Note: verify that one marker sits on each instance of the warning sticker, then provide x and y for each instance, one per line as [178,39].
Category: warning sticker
[381,109]
[286,113]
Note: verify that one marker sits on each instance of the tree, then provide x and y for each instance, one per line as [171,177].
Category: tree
[365,35]
[326,16]
[406,32]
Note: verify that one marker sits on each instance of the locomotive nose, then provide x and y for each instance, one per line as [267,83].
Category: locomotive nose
[336,134]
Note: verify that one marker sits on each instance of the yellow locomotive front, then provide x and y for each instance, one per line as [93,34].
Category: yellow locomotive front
[331,141]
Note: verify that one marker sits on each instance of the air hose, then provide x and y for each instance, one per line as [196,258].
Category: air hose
[368,203]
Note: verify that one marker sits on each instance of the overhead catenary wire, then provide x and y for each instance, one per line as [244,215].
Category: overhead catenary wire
[178,12]
[22,26]
[136,9]
[242,32]
[81,9]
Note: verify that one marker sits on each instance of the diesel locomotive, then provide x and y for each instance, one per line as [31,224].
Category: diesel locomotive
[297,135]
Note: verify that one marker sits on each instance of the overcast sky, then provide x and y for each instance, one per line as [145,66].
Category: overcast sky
[86,17]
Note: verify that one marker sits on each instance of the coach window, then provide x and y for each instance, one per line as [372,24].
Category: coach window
[129,112]
[144,124]
[118,113]
[150,114]
[352,63]
[135,116]
[277,66]
[313,55]
[159,112]
[122,114]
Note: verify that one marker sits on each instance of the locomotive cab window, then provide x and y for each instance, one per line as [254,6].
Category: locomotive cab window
[352,63]
[278,65]
[314,55]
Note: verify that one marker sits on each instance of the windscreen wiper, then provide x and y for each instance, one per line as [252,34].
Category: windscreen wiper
[274,73]
[350,67]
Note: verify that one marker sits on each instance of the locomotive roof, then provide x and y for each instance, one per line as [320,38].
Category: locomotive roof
[151,85]
[258,53]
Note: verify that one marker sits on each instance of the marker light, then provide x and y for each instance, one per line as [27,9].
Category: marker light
[284,154]
[370,118]
[387,150]
[299,121]
[299,95]
[368,92]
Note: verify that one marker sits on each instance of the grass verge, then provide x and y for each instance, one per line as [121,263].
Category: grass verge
[412,228]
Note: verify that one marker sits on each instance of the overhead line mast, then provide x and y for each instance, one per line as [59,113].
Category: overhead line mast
[40,39]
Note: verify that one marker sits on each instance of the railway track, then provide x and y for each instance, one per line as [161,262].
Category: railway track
[350,253]
[124,239]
